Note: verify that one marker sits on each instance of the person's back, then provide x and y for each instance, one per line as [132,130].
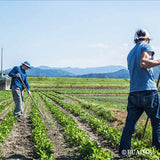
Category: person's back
[141,79]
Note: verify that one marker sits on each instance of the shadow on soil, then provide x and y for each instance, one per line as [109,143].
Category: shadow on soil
[63,157]
[16,156]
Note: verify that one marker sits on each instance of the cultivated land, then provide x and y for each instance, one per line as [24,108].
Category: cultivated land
[82,120]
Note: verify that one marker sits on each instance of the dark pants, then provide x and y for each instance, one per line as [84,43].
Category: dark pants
[138,102]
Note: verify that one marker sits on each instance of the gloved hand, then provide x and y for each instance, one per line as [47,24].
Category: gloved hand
[29,92]
[18,75]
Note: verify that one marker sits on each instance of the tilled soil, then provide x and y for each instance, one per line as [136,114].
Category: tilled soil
[18,145]
[92,135]
[62,151]
[84,87]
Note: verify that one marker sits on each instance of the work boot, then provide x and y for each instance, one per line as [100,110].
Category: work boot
[19,119]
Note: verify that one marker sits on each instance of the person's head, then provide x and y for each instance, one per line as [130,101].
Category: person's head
[141,35]
[26,65]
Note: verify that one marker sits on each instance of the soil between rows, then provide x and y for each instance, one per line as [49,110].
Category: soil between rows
[92,135]
[18,145]
[62,151]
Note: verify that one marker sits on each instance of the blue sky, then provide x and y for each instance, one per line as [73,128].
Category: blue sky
[75,33]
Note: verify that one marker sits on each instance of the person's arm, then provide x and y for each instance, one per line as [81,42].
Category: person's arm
[27,84]
[147,62]
[13,72]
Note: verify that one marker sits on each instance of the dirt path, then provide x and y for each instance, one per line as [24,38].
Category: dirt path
[18,145]
[62,151]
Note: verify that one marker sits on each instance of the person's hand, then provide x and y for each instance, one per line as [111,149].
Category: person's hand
[29,92]
[18,75]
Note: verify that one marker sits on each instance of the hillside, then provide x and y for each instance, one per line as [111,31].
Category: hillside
[45,71]
[81,71]
[123,73]
[48,72]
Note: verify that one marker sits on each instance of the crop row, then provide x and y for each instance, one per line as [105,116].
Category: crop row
[95,123]
[88,150]
[111,134]
[5,95]
[50,81]
[54,94]
[90,91]
[98,110]
[5,104]
[43,145]
[108,101]
[6,125]
[108,115]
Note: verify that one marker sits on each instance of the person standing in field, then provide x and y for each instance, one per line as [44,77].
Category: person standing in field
[143,94]
[17,87]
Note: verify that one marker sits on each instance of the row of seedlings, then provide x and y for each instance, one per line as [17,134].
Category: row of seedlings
[5,95]
[88,150]
[98,110]
[5,104]
[111,134]
[43,144]
[7,123]
[89,91]
[108,115]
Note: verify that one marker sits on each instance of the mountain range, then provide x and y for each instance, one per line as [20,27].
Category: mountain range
[96,72]
[81,71]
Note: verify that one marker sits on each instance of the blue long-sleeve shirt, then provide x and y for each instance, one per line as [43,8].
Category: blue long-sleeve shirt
[16,80]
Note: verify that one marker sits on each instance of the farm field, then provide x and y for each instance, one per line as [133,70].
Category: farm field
[82,120]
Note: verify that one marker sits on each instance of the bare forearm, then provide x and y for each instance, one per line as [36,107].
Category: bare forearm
[149,63]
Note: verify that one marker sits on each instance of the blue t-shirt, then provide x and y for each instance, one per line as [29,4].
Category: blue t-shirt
[141,79]
[15,80]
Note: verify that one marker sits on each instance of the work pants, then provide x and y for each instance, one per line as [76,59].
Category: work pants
[18,100]
[138,102]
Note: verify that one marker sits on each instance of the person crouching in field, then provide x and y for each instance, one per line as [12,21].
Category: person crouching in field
[17,87]
[143,94]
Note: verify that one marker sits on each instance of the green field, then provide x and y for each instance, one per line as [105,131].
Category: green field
[77,82]
[79,114]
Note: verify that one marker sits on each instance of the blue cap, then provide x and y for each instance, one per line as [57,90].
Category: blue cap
[27,64]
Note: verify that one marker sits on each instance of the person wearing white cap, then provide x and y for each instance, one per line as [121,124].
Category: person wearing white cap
[143,94]
[17,87]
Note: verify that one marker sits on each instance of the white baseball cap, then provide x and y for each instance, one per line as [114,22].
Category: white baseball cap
[141,34]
